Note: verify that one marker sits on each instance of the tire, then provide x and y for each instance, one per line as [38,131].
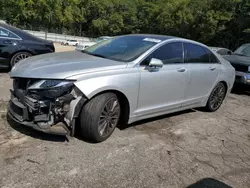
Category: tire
[216,97]
[96,126]
[18,57]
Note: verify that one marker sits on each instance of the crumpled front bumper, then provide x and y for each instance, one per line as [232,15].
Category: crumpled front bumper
[21,109]
[57,130]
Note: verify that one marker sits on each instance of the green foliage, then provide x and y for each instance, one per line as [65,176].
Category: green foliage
[214,22]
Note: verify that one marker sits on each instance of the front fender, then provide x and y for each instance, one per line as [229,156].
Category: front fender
[126,83]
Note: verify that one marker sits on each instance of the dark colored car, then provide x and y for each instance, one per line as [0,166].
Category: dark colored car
[240,60]
[16,44]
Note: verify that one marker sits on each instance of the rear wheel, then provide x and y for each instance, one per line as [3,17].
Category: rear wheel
[100,116]
[18,57]
[216,97]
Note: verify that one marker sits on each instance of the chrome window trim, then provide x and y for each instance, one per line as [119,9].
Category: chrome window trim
[18,38]
[205,48]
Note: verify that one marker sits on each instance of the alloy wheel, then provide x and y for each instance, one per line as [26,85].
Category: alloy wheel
[20,57]
[217,96]
[109,117]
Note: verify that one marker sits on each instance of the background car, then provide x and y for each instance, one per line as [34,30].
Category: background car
[121,80]
[84,45]
[70,43]
[16,44]
[240,60]
[221,51]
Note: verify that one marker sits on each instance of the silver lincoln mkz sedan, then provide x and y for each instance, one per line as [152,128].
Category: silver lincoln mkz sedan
[121,80]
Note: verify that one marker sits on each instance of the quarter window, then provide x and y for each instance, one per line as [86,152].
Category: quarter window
[195,54]
[7,34]
[170,53]
[213,58]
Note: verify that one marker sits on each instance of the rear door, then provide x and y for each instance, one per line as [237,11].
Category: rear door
[204,71]
[8,44]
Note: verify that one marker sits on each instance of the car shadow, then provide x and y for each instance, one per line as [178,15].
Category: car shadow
[57,138]
[35,134]
[125,126]
[209,183]
[4,70]
[241,90]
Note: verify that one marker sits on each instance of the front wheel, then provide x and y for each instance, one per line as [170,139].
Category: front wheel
[216,97]
[100,116]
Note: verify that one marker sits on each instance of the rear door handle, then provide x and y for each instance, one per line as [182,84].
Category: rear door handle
[212,68]
[181,70]
[7,42]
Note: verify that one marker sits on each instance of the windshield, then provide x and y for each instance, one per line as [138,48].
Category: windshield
[243,50]
[124,48]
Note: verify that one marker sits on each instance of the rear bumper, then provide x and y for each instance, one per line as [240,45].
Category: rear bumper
[242,78]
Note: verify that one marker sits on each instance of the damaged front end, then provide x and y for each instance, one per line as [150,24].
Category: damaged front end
[50,106]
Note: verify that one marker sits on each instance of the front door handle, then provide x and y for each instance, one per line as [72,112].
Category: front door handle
[212,68]
[181,70]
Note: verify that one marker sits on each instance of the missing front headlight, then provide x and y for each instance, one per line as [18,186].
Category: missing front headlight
[51,88]
[47,84]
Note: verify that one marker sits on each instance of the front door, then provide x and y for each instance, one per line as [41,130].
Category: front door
[162,89]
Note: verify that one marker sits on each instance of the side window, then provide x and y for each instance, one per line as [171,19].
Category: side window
[3,33]
[170,53]
[195,54]
[7,34]
[212,57]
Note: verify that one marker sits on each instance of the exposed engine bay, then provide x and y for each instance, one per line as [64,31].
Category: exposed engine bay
[46,105]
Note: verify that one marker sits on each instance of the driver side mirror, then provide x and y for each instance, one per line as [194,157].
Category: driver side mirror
[155,63]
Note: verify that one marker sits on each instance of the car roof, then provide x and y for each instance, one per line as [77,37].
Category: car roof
[246,44]
[20,33]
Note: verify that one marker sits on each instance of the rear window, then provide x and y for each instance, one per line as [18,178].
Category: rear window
[7,34]
[195,54]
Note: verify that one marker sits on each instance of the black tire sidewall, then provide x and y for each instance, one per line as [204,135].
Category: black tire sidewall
[90,115]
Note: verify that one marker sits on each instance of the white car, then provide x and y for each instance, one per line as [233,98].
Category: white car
[70,43]
[118,81]
[84,45]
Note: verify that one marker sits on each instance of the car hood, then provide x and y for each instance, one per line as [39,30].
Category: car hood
[237,59]
[62,65]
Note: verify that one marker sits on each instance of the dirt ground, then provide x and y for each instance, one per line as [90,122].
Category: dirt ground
[187,149]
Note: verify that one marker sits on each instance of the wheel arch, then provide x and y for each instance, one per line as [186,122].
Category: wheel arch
[14,53]
[225,84]
[124,102]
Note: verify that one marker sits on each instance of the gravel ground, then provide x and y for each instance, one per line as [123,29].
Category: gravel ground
[178,150]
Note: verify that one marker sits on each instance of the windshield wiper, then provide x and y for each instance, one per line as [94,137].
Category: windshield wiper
[97,55]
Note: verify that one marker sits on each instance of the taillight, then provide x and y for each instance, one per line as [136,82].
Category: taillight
[51,47]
